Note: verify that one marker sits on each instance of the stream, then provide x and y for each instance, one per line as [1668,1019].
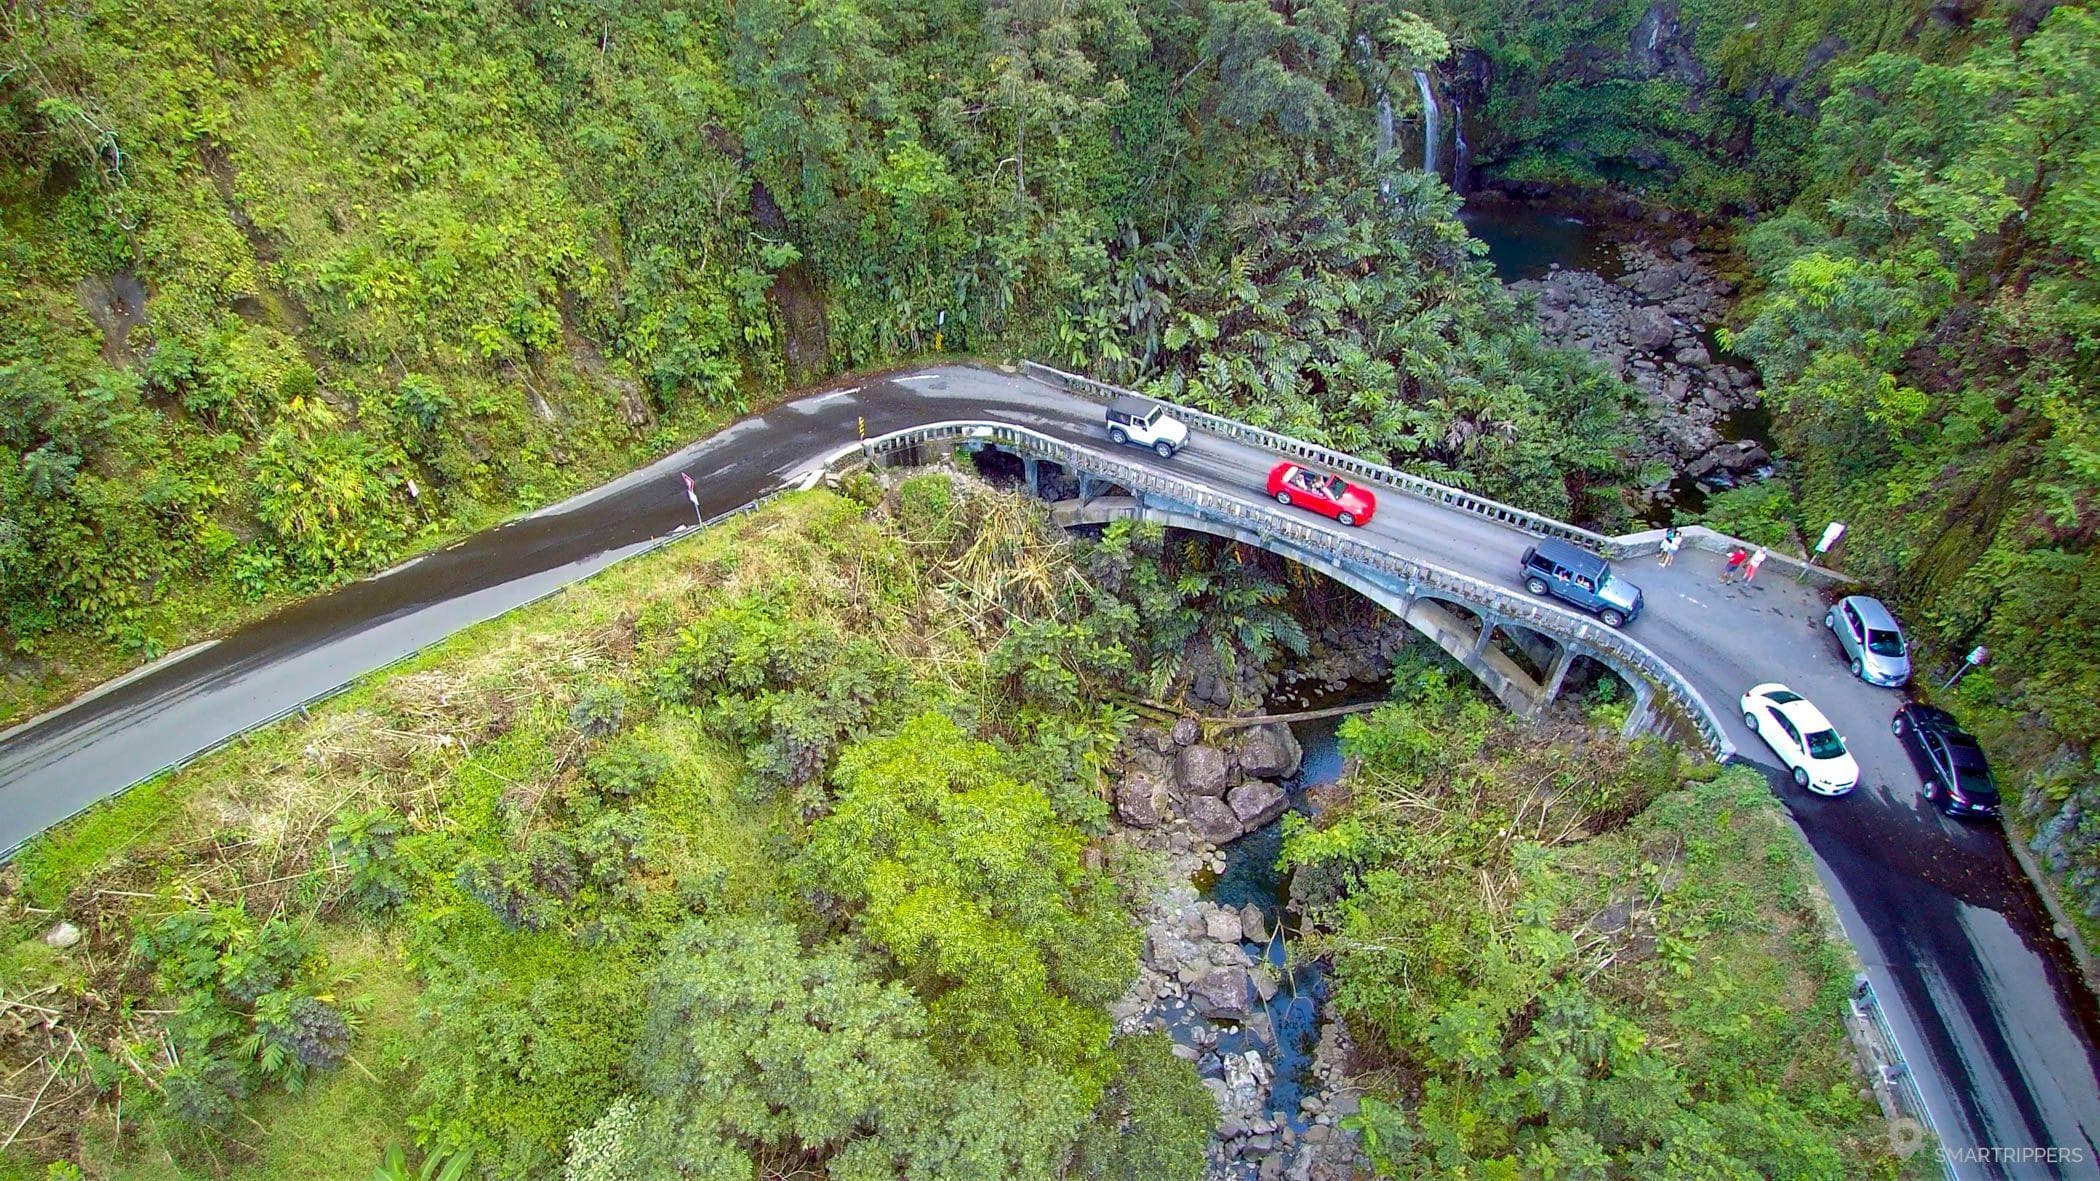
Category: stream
[1526,241]
[1284,1030]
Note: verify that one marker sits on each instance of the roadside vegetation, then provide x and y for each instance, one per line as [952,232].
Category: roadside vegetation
[1562,954]
[784,849]
[735,858]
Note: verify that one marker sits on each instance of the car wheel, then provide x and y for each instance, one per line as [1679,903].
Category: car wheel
[1932,789]
[1346,518]
[1830,620]
[1896,725]
[1856,670]
[1283,498]
[1536,586]
[1800,778]
[1118,435]
[1165,449]
[1611,618]
[1750,720]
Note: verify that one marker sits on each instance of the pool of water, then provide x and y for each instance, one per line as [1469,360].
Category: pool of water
[1524,241]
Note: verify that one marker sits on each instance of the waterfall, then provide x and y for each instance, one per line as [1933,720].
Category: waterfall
[1459,154]
[1429,120]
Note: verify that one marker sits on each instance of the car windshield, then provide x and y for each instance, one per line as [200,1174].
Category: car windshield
[1975,783]
[1825,744]
[1782,697]
[1882,643]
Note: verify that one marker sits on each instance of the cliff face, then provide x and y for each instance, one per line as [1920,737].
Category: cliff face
[1706,104]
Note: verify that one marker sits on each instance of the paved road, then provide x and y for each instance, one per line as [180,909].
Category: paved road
[2000,1033]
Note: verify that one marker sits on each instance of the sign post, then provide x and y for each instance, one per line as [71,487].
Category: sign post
[693,494]
[1976,656]
[1831,533]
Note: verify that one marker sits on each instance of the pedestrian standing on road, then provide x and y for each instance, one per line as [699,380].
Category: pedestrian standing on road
[1750,567]
[1673,540]
[1736,558]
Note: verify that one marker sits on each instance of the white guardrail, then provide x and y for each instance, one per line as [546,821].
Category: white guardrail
[1629,654]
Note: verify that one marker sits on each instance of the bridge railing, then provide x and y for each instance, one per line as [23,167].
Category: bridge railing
[1327,457]
[1628,654]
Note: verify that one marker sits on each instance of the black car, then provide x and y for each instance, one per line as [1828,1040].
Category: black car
[1956,776]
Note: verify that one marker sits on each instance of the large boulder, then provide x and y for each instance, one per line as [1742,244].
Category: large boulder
[1214,820]
[1254,922]
[1256,802]
[1224,995]
[1201,771]
[1222,925]
[1141,800]
[1270,752]
[1652,329]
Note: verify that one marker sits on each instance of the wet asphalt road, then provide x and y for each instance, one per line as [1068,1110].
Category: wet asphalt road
[1983,999]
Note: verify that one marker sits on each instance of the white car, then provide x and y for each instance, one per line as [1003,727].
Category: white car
[1802,737]
[1146,423]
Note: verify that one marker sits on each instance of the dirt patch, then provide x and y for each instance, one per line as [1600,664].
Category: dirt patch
[117,304]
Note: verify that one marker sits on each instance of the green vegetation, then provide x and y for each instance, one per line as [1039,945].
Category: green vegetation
[1563,959]
[731,861]
[1928,325]
[302,287]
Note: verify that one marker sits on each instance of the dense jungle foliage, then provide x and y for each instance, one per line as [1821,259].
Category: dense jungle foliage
[1589,962]
[784,851]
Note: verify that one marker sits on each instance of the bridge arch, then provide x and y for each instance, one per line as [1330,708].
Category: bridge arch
[1431,598]
[1464,630]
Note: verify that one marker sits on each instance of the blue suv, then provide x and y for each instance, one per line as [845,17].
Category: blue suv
[1553,567]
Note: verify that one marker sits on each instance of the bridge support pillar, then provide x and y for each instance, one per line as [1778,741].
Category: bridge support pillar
[1642,716]
[1556,672]
[1088,488]
[1487,637]
[1032,470]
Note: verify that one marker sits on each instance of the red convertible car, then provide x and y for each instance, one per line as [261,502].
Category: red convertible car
[1332,496]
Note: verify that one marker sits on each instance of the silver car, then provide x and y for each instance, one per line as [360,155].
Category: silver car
[1871,640]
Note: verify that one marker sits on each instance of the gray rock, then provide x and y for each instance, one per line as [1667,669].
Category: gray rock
[1223,926]
[1214,820]
[1185,732]
[1694,355]
[1270,752]
[1254,922]
[1652,328]
[62,935]
[1264,984]
[1681,248]
[1224,995]
[1141,801]
[1256,802]
[1185,1053]
[1201,771]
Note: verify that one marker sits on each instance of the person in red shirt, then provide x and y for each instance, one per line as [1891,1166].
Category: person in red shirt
[1736,558]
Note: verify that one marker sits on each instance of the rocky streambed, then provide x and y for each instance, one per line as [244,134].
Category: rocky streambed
[1650,323]
[1216,973]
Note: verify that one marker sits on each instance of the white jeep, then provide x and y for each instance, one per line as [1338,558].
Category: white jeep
[1147,424]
